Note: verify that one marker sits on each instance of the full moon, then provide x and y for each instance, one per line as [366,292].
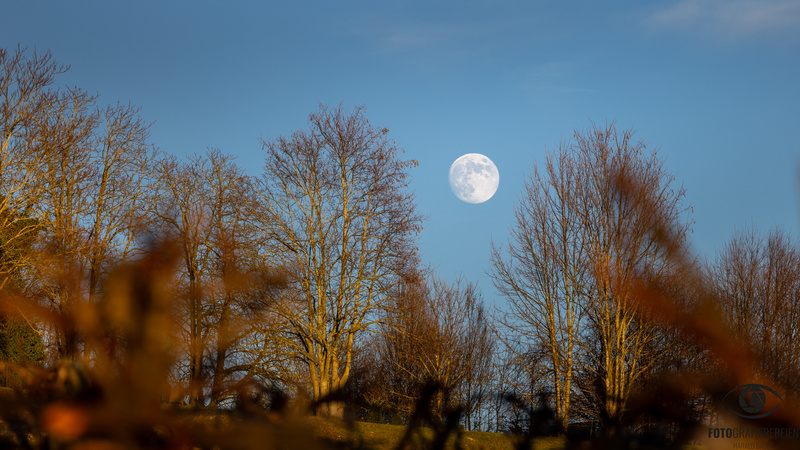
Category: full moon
[474,178]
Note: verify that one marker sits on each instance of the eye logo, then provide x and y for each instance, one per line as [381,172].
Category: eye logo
[752,401]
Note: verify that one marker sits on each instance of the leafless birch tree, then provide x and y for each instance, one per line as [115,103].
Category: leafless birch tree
[545,278]
[335,200]
[573,251]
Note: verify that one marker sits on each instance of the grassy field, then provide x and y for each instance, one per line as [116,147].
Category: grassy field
[379,436]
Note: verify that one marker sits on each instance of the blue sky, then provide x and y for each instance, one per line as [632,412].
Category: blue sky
[712,84]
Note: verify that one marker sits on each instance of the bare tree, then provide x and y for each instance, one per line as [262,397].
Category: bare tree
[545,278]
[756,281]
[572,254]
[622,247]
[224,284]
[123,192]
[64,190]
[335,200]
[25,95]
[438,336]
[238,301]
[183,217]
[73,174]
[722,297]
